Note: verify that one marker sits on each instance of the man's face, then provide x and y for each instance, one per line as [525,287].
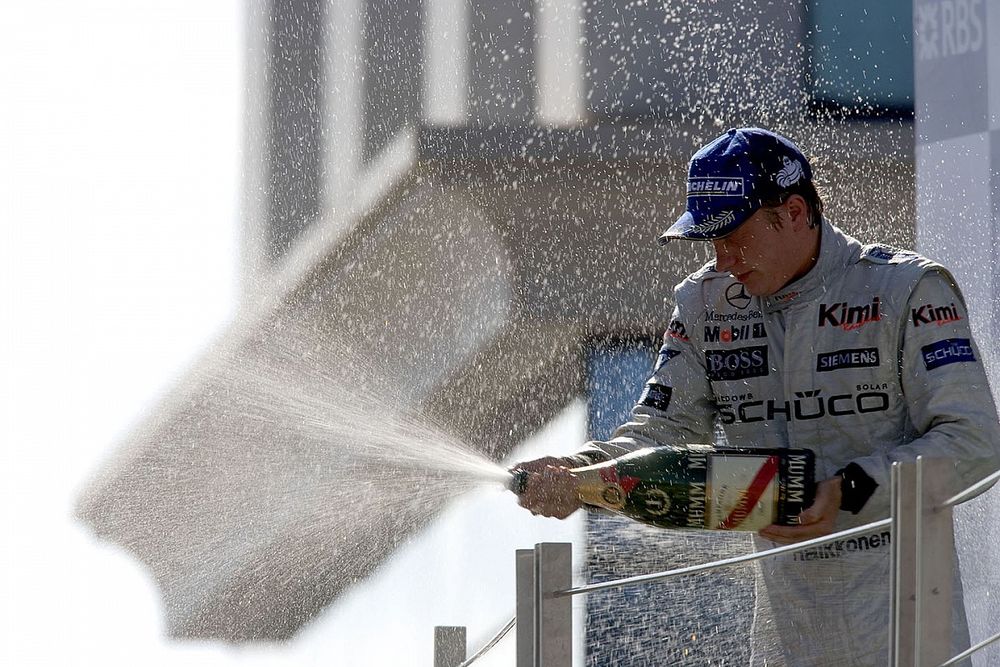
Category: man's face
[763,256]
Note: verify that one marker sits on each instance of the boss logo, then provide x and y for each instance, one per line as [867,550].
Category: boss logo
[738,364]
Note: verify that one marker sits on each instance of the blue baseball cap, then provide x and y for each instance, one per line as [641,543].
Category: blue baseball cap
[731,177]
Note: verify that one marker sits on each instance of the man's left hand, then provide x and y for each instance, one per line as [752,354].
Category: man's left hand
[816,521]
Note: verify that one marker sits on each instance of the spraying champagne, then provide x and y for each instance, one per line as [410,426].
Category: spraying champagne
[698,486]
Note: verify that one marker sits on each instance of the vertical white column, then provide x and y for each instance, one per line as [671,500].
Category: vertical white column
[524,567]
[553,615]
[993,72]
[343,71]
[255,193]
[903,642]
[449,645]
[559,62]
[993,113]
[956,48]
[935,561]
[446,65]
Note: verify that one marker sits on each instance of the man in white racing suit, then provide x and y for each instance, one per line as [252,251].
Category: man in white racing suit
[799,336]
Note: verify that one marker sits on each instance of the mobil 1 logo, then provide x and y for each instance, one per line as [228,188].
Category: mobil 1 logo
[733,333]
[736,364]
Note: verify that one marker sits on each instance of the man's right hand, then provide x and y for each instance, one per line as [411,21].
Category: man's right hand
[550,489]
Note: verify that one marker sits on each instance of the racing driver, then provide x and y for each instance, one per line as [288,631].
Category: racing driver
[862,353]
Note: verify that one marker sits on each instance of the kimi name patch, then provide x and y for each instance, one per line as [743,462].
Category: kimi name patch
[947,351]
[866,357]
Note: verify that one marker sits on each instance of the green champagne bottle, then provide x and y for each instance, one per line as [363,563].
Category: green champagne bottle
[701,487]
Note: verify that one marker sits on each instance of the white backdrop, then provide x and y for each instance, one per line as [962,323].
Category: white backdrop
[957,57]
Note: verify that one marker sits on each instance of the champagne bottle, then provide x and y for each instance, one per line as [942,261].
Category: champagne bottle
[701,487]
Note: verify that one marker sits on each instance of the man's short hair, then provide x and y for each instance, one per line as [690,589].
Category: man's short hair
[808,191]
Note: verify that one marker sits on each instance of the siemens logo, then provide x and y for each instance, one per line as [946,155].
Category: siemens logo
[948,351]
[738,364]
[860,358]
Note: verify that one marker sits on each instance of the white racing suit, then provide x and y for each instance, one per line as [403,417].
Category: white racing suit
[866,360]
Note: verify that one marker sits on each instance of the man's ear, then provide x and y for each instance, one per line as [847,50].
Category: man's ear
[798,212]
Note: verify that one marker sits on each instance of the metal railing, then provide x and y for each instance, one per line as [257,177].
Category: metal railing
[923,553]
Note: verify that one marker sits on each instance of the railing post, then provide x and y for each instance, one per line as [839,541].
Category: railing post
[449,645]
[935,544]
[923,547]
[903,581]
[553,615]
[524,607]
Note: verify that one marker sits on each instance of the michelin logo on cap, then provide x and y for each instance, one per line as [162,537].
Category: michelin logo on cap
[715,186]
[790,174]
[733,176]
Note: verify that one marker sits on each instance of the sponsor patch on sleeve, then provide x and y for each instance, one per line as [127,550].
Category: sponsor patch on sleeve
[656,396]
[665,355]
[947,351]
[676,330]
[884,254]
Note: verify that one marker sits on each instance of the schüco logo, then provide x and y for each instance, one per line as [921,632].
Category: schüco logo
[738,364]
[807,405]
[849,317]
[946,352]
[717,334]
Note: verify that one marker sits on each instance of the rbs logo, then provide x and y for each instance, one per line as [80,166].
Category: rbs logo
[948,28]
[745,362]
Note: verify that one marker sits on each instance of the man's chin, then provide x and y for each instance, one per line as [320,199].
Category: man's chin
[753,286]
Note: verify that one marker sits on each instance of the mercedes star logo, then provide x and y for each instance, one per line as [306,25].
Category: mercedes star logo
[736,295]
